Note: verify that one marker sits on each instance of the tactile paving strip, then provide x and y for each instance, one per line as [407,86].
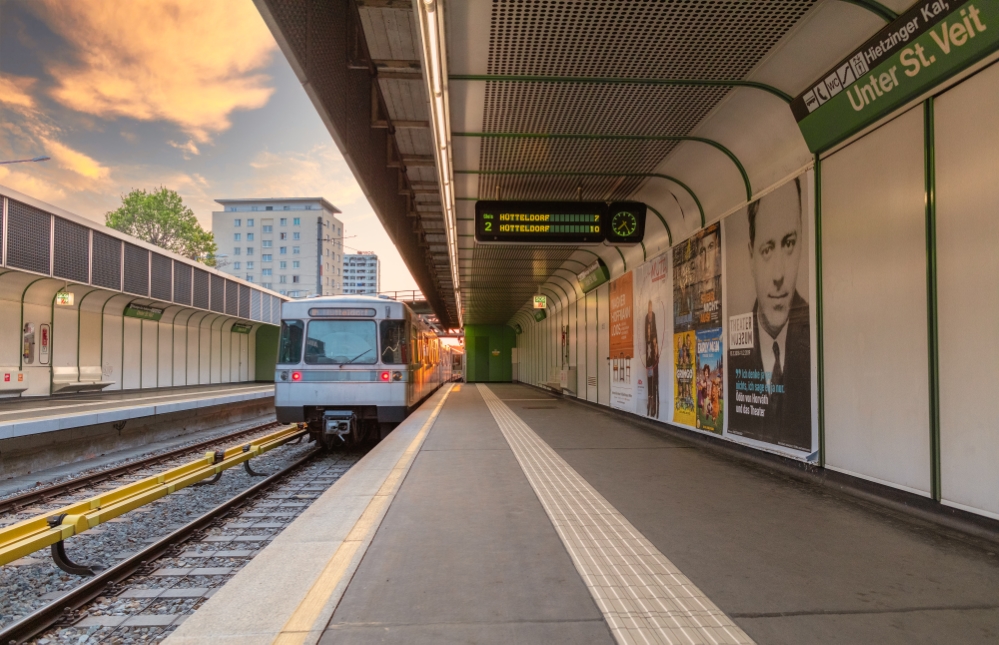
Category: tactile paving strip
[644,597]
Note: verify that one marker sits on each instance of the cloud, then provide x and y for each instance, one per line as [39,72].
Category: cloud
[189,149]
[15,91]
[188,62]
[74,161]
[319,172]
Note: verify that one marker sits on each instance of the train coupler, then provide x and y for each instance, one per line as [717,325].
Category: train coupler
[339,424]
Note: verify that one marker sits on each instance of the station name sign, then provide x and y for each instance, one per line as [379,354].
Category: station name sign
[924,47]
[571,223]
[145,312]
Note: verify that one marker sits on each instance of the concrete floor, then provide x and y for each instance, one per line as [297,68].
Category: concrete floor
[467,554]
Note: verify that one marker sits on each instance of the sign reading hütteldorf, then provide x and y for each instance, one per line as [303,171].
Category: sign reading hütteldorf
[922,48]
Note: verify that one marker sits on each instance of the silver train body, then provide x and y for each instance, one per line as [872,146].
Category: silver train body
[353,367]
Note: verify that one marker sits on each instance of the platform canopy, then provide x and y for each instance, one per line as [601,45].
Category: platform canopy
[682,105]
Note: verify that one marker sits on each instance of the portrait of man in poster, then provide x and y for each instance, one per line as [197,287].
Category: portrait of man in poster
[652,352]
[771,378]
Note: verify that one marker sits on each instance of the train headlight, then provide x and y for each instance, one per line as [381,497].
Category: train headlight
[385,376]
[284,375]
[396,376]
[296,376]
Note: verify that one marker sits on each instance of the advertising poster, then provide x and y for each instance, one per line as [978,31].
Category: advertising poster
[697,312]
[684,395]
[709,375]
[653,333]
[769,353]
[622,343]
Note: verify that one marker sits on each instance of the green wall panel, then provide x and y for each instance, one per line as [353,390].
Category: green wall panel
[482,342]
[267,347]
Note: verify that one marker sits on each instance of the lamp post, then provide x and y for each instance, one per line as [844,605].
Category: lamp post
[32,160]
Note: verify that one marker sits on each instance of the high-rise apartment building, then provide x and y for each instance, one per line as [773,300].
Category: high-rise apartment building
[361,273]
[294,246]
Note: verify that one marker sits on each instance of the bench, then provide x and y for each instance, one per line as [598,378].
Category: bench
[86,379]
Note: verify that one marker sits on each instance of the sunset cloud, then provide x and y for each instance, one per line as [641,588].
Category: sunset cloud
[15,91]
[319,172]
[188,62]
[74,161]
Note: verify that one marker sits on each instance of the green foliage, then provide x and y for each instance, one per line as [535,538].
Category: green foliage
[161,218]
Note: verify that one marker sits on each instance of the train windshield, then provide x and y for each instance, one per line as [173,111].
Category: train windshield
[341,342]
[395,342]
[292,332]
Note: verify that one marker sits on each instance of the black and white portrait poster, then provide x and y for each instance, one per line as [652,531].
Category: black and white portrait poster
[768,305]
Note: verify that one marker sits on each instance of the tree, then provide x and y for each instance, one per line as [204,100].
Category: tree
[161,218]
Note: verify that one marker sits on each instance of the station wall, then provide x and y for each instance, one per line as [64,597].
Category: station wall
[889,357]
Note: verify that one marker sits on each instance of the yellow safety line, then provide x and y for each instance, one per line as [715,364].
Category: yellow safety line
[302,620]
[30,535]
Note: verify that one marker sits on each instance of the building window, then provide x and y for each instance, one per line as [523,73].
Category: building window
[249,222]
[268,228]
[283,292]
[249,265]
[267,244]
[284,221]
[267,285]
[237,236]
[237,222]
[269,208]
[296,250]
[282,279]
[294,278]
[283,236]
[249,237]
[266,272]
[297,221]
[295,264]
[266,257]
[296,236]
[235,265]
[249,277]
[283,250]
[287,207]
[284,265]
[249,250]
[235,251]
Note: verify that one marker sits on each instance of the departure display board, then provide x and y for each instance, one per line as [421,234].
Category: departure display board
[569,223]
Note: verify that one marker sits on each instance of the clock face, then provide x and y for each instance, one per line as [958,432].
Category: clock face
[624,224]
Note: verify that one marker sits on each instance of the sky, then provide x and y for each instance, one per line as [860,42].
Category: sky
[193,95]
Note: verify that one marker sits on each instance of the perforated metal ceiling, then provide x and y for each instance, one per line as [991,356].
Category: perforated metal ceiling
[670,39]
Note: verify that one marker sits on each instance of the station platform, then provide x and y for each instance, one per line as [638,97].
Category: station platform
[499,514]
[37,415]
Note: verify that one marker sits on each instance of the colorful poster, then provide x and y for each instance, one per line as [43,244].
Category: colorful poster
[769,350]
[697,311]
[684,395]
[710,377]
[622,343]
[653,302]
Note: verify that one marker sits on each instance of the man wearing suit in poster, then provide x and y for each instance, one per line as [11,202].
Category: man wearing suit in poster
[772,379]
[652,363]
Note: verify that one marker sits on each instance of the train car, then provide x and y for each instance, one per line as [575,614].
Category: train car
[353,367]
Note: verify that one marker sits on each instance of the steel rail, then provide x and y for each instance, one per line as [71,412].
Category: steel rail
[15,503]
[64,606]
[53,527]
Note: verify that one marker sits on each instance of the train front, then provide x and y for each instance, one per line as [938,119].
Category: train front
[343,367]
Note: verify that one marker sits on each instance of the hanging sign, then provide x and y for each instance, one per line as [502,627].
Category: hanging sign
[241,328]
[540,315]
[517,328]
[64,298]
[540,302]
[593,276]
[925,46]
[145,312]
[573,223]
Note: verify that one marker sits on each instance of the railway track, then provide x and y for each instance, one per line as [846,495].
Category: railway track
[133,594]
[44,494]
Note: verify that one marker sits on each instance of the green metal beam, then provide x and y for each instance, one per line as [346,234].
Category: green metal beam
[669,233]
[594,80]
[875,7]
[619,137]
[570,173]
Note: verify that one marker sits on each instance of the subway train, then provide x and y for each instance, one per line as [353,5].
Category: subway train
[353,367]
